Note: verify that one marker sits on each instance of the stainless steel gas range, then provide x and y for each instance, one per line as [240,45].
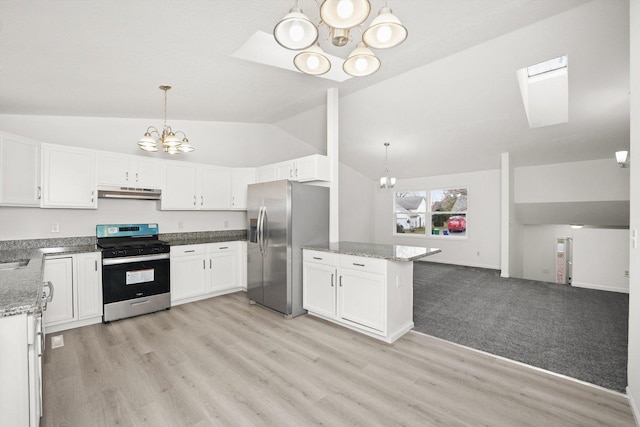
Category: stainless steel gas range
[135,270]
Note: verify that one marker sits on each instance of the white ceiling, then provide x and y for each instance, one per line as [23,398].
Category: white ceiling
[455,106]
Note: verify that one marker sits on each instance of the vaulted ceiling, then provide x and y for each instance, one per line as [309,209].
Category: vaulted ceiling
[447,99]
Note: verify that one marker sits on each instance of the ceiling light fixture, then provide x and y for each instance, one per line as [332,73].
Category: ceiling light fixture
[622,159]
[386,181]
[296,32]
[167,140]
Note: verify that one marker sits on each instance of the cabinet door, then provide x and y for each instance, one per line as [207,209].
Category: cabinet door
[59,271]
[19,171]
[319,292]
[89,285]
[69,177]
[240,180]
[224,271]
[285,170]
[113,169]
[361,298]
[178,185]
[312,168]
[188,277]
[215,187]
[266,173]
[145,173]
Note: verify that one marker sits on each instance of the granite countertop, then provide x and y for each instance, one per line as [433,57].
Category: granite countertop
[199,238]
[21,288]
[373,250]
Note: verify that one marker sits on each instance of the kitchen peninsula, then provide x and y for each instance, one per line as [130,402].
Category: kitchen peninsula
[362,286]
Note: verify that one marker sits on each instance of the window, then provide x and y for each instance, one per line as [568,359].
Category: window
[410,210]
[448,212]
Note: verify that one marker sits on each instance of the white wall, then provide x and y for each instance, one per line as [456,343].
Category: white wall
[35,223]
[600,255]
[481,248]
[356,206]
[633,372]
[216,143]
[594,180]
[600,259]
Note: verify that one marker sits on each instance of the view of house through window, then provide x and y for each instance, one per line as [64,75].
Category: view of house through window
[442,213]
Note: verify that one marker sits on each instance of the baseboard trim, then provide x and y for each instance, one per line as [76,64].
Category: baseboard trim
[524,365]
[600,287]
[441,261]
[634,405]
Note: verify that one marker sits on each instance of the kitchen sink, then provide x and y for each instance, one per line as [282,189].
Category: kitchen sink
[14,265]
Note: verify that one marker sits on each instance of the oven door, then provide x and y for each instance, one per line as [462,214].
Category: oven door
[134,277]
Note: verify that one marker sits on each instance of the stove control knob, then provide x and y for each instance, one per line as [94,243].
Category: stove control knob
[121,253]
[114,253]
[140,250]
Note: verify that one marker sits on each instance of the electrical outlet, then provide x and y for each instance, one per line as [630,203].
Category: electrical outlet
[478,253]
[55,227]
[626,273]
[226,224]
[57,341]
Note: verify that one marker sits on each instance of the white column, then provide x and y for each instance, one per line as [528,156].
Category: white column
[333,149]
[505,217]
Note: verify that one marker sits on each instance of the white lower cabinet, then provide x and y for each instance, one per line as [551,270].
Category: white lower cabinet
[206,270]
[368,295]
[21,370]
[77,295]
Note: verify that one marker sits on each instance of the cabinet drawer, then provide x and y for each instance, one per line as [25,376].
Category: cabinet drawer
[369,265]
[326,258]
[223,247]
[187,250]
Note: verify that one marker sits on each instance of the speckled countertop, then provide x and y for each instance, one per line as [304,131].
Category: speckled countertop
[21,288]
[373,250]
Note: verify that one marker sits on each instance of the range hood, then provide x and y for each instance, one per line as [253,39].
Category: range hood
[109,192]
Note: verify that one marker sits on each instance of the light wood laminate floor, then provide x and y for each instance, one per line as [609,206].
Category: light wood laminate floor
[222,362]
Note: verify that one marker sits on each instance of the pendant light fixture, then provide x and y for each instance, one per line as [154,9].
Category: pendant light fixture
[622,157]
[297,32]
[386,181]
[167,140]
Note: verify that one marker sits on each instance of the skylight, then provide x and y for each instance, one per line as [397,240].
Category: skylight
[546,66]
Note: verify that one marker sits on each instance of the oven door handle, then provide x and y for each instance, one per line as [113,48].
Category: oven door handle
[130,259]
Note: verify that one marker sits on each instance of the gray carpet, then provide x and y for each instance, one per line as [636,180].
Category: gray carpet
[581,333]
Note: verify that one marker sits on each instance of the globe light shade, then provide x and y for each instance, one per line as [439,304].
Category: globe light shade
[361,62]
[312,61]
[385,31]
[344,14]
[295,31]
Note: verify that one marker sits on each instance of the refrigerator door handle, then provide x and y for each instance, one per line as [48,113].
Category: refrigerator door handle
[260,231]
[265,230]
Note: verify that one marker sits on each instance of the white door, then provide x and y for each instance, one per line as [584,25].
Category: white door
[319,292]
[224,271]
[59,271]
[188,277]
[146,173]
[69,177]
[89,285]
[214,188]
[361,298]
[178,185]
[19,171]
[113,169]
[240,180]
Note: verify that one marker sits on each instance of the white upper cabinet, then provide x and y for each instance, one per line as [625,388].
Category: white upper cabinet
[122,170]
[189,186]
[310,168]
[68,177]
[19,171]
[241,178]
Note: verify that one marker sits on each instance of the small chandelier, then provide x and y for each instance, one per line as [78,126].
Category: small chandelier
[296,32]
[385,181]
[170,143]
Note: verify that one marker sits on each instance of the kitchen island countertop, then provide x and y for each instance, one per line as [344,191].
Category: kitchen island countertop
[374,250]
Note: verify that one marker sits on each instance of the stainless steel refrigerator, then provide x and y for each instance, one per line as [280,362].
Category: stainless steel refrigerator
[282,216]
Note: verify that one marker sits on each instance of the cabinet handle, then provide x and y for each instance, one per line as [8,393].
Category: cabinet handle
[233,200]
[92,197]
[194,200]
[204,265]
[340,281]
[39,192]
[126,176]
[210,266]
[191,250]
[358,265]
[317,257]
[95,265]
[136,176]
[223,247]
[296,172]
[201,200]
[290,173]
[331,279]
